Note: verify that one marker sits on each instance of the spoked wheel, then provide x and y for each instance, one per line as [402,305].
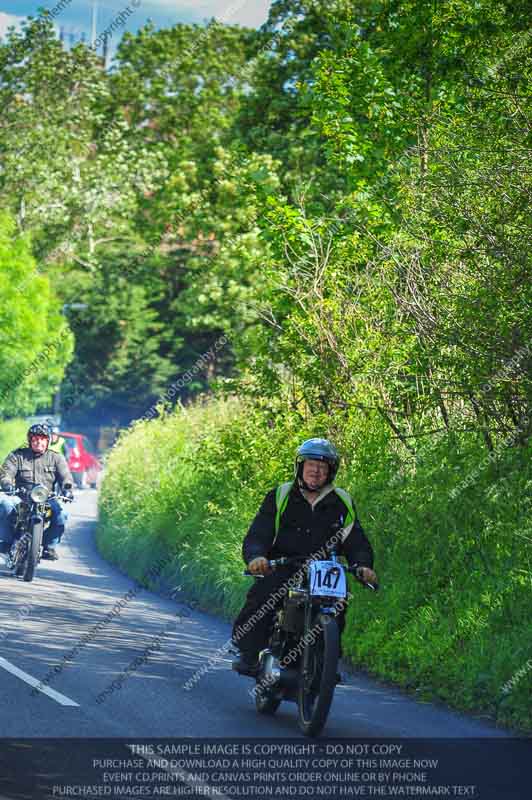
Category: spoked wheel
[17,557]
[315,692]
[34,551]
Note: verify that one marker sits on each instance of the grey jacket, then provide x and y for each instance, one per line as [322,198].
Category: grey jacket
[24,468]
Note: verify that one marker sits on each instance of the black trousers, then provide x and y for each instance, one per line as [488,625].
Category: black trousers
[254,623]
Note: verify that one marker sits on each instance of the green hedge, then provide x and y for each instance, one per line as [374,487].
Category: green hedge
[453,620]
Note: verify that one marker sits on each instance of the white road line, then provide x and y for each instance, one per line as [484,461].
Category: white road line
[57,696]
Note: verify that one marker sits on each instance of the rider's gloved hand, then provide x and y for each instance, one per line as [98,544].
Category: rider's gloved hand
[259,566]
[366,575]
[68,493]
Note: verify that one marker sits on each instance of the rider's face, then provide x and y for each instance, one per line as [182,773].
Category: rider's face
[39,444]
[315,473]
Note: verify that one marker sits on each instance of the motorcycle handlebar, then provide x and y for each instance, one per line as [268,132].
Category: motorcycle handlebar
[281,562]
[61,497]
[373,586]
[277,562]
[26,492]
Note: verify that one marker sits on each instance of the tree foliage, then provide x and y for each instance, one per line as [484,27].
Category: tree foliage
[343,193]
[36,340]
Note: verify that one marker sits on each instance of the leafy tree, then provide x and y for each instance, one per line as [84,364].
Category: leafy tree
[342,193]
[36,341]
[365,318]
[182,89]
[276,116]
[69,173]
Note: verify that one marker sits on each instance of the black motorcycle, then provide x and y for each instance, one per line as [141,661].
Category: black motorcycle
[300,663]
[33,515]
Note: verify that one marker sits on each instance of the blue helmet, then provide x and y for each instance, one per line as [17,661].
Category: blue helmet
[38,430]
[320,450]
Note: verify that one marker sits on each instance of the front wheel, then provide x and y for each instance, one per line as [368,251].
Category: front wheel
[316,689]
[34,551]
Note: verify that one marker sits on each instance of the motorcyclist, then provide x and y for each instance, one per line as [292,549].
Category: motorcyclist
[25,467]
[312,513]
[57,442]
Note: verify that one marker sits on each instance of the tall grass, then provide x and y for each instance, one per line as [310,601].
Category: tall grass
[454,617]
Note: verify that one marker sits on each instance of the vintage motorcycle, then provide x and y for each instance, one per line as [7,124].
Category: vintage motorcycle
[33,515]
[300,663]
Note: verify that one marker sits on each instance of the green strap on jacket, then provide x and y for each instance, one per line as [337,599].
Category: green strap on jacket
[281,501]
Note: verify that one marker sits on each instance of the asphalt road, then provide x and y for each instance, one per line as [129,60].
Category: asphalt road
[42,625]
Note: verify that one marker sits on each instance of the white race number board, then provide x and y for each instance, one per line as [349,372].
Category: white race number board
[327,579]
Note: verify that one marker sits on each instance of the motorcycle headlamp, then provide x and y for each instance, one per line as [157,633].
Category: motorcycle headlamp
[39,494]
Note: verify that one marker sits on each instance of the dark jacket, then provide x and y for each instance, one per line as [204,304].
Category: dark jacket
[24,468]
[304,530]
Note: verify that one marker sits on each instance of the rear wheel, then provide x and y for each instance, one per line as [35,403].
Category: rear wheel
[34,551]
[316,690]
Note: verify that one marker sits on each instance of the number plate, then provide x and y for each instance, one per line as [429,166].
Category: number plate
[327,579]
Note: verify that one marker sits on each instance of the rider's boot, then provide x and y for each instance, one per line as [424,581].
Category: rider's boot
[246,663]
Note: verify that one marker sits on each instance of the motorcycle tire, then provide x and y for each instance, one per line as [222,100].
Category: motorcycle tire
[34,551]
[314,701]
[18,562]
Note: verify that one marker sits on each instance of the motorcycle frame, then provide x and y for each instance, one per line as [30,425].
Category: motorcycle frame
[313,606]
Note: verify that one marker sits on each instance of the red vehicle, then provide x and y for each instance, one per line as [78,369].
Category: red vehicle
[81,458]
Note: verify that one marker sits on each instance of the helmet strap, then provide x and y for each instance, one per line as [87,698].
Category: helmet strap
[303,485]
